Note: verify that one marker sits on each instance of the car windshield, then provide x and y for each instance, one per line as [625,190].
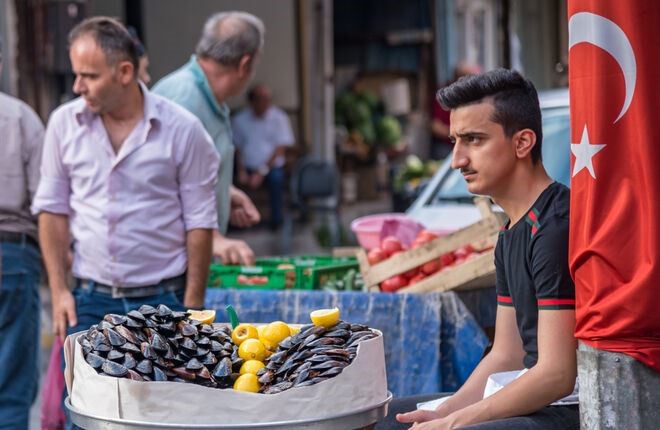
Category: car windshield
[556,151]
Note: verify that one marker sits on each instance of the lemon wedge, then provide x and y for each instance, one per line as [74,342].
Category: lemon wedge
[325,317]
[207,316]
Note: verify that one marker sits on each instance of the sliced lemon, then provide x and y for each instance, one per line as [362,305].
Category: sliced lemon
[247,382]
[325,317]
[207,316]
[251,366]
[252,349]
[243,332]
[294,330]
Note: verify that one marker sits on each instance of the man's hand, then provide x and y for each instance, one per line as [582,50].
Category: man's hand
[243,213]
[64,312]
[429,420]
[232,251]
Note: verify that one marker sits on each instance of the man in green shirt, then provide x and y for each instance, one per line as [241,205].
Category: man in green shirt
[223,64]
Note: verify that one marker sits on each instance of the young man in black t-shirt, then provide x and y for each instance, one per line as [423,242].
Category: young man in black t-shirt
[496,130]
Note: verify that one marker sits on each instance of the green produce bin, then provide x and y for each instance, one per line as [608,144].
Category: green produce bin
[313,271]
[253,278]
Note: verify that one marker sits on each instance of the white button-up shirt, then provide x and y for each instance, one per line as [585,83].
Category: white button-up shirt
[129,212]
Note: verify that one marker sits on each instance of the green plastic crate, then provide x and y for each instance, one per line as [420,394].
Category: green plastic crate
[313,277]
[313,271]
[240,277]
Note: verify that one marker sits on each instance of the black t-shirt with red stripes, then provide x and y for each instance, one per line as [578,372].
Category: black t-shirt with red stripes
[531,260]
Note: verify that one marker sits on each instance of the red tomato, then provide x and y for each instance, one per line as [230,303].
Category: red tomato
[390,245]
[417,243]
[464,251]
[259,280]
[411,273]
[394,283]
[447,259]
[375,256]
[426,235]
[415,279]
[431,267]
[243,280]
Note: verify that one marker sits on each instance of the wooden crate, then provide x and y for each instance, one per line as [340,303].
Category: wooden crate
[477,272]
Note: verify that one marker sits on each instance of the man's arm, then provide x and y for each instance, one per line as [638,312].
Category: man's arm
[54,240]
[198,245]
[243,176]
[552,378]
[243,213]
[507,354]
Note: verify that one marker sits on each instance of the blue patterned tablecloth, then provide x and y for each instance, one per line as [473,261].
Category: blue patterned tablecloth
[432,342]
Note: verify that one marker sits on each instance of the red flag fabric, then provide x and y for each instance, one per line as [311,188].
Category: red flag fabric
[614,245]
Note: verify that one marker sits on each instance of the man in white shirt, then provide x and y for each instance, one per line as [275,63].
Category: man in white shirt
[20,260]
[262,132]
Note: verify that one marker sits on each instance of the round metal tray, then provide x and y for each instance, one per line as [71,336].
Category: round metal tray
[353,420]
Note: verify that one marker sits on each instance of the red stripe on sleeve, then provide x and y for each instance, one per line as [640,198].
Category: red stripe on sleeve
[504,299]
[555,302]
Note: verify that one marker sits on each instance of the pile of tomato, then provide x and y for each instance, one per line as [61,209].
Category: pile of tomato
[391,246]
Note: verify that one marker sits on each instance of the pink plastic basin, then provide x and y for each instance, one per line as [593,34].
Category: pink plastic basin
[367,229]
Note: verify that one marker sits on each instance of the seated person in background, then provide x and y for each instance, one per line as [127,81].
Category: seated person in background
[262,132]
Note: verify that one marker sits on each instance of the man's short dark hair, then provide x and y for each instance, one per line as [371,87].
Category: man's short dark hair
[515,100]
[113,38]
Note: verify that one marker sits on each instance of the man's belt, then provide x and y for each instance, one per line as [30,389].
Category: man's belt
[177,283]
[12,237]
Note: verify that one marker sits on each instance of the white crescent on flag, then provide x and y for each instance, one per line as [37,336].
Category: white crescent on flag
[586,27]
[597,30]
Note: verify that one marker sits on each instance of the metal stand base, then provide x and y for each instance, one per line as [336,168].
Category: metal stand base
[354,420]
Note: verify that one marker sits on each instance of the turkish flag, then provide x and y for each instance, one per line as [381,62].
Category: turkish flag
[614,245]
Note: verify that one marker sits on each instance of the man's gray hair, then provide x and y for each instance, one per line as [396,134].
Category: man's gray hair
[228,36]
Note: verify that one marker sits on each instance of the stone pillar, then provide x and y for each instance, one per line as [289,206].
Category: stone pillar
[616,391]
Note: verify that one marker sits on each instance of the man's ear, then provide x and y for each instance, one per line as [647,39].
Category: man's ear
[524,141]
[126,72]
[245,66]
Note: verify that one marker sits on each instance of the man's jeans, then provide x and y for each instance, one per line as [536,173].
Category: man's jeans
[20,270]
[92,306]
[275,184]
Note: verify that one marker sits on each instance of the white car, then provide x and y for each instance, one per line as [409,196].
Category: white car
[446,205]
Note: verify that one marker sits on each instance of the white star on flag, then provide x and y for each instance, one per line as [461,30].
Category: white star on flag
[584,151]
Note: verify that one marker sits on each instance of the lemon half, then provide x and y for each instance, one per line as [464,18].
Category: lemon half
[207,316]
[325,317]
[243,332]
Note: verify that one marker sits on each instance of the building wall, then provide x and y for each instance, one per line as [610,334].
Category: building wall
[171,34]
[8,37]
